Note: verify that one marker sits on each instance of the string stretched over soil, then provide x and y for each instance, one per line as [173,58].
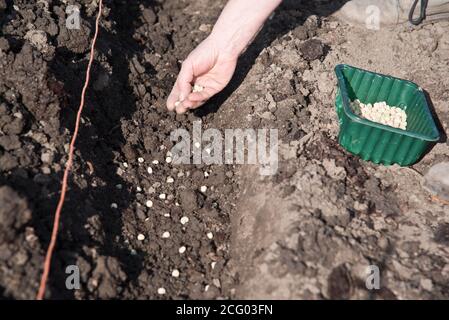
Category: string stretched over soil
[54,234]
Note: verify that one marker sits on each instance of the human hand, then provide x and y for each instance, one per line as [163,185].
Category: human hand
[211,65]
[207,66]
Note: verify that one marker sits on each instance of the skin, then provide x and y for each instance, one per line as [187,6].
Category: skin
[212,64]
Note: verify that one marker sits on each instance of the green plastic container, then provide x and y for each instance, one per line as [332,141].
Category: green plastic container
[374,141]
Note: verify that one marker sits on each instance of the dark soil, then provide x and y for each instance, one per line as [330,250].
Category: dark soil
[307,232]
[136,62]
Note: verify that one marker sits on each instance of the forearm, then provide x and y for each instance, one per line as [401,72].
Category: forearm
[240,22]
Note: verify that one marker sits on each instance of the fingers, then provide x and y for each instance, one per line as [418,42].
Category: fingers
[189,105]
[173,98]
[195,100]
[202,95]
[185,79]
[181,107]
[181,89]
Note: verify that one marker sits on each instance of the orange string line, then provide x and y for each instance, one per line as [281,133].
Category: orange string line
[54,234]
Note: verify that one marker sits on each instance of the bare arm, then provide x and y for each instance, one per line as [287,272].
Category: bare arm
[240,22]
[212,64]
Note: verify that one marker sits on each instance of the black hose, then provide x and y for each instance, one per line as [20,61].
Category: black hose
[422,14]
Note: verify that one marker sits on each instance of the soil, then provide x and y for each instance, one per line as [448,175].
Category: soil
[307,232]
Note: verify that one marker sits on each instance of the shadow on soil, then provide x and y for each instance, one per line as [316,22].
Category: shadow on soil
[99,144]
[274,29]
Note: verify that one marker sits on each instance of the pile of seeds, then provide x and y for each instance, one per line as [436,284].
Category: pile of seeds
[197,88]
[381,112]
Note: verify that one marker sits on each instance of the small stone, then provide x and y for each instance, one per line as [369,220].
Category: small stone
[139,189]
[166,235]
[312,49]
[149,15]
[140,237]
[125,164]
[206,174]
[436,180]
[155,162]
[162,196]
[141,160]
[426,284]
[46,170]
[182,249]
[175,273]
[212,265]
[47,157]
[149,203]
[210,235]
[216,283]
[161,291]
[119,186]
[114,205]
[184,220]
[168,159]
[18,115]
[205,27]
[203,189]
[150,170]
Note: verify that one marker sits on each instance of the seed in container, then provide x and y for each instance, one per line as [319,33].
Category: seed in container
[381,112]
[175,273]
[140,237]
